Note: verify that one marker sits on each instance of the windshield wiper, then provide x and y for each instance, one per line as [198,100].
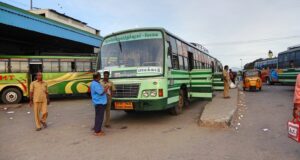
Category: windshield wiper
[120,44]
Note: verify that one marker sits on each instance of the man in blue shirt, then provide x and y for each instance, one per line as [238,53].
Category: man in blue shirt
[99,99]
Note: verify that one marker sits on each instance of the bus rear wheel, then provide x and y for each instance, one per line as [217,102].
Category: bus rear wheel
[11,96]
[178,108]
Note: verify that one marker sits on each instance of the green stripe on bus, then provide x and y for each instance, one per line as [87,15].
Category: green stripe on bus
[202,95]
[173,99]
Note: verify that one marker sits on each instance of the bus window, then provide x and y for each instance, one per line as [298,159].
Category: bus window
[169,62]
[292,56]
[47,67]
[3,65]
[50,65]
[169,57]
[79,66]
[298,55]
[184,50]
[173,45]
[181,65]
[179,47]
[186,64]
[297,61]
[280,61]
[83,66]
[19,66]
[285,61]
[65,66]
[86,66]
[175,62]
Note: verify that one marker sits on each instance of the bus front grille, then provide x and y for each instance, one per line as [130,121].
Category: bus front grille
[126,90]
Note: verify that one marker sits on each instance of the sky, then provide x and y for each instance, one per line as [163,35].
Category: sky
[234,31]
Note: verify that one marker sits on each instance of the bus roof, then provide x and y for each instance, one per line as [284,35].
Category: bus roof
[159,29]
[290,50]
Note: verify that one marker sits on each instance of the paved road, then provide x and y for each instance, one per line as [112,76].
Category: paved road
[154,135]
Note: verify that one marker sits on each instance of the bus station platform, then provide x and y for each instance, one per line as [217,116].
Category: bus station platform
[220,112]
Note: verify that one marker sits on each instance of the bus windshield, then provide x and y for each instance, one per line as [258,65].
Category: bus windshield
[133,54]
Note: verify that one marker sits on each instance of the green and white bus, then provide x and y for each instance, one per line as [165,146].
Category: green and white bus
[64,75]
[289,65]
[153,69]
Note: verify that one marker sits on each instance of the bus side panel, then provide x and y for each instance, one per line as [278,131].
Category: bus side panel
[201,81]
[288,76]
[176,78]
[218,84]
[18,80]
[68,83]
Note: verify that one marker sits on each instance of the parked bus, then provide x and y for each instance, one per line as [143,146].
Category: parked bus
[270,63]
[289,62]
[64,75]
[153,69]
[269,70]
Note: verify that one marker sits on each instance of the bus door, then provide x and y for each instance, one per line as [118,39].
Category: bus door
[35,66]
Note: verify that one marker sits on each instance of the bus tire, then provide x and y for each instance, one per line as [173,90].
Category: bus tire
[176,110]
[11,96]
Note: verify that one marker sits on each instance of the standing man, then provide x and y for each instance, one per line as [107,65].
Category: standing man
[39,98]
[226,79]
[111,88]
[99,99]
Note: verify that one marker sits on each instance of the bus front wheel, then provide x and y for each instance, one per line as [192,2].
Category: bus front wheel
[11,96]
[178,108]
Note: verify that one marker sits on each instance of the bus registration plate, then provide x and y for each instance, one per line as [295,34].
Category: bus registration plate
[123,105]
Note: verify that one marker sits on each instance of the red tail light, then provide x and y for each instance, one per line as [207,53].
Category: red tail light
[160,92]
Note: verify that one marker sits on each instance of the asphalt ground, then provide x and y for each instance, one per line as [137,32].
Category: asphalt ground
[260,132]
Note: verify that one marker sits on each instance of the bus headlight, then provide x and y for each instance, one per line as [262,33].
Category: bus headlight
[146,93]
[153,93]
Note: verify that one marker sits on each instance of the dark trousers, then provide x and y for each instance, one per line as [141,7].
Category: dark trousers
[99,115]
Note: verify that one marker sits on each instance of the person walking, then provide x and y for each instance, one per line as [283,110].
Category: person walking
[39,98]
[99,99]
[232,76]
[226,79]
[111,89]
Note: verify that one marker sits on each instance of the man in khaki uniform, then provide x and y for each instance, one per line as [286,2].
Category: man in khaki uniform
[39,99]
[226,80]
[107,83]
